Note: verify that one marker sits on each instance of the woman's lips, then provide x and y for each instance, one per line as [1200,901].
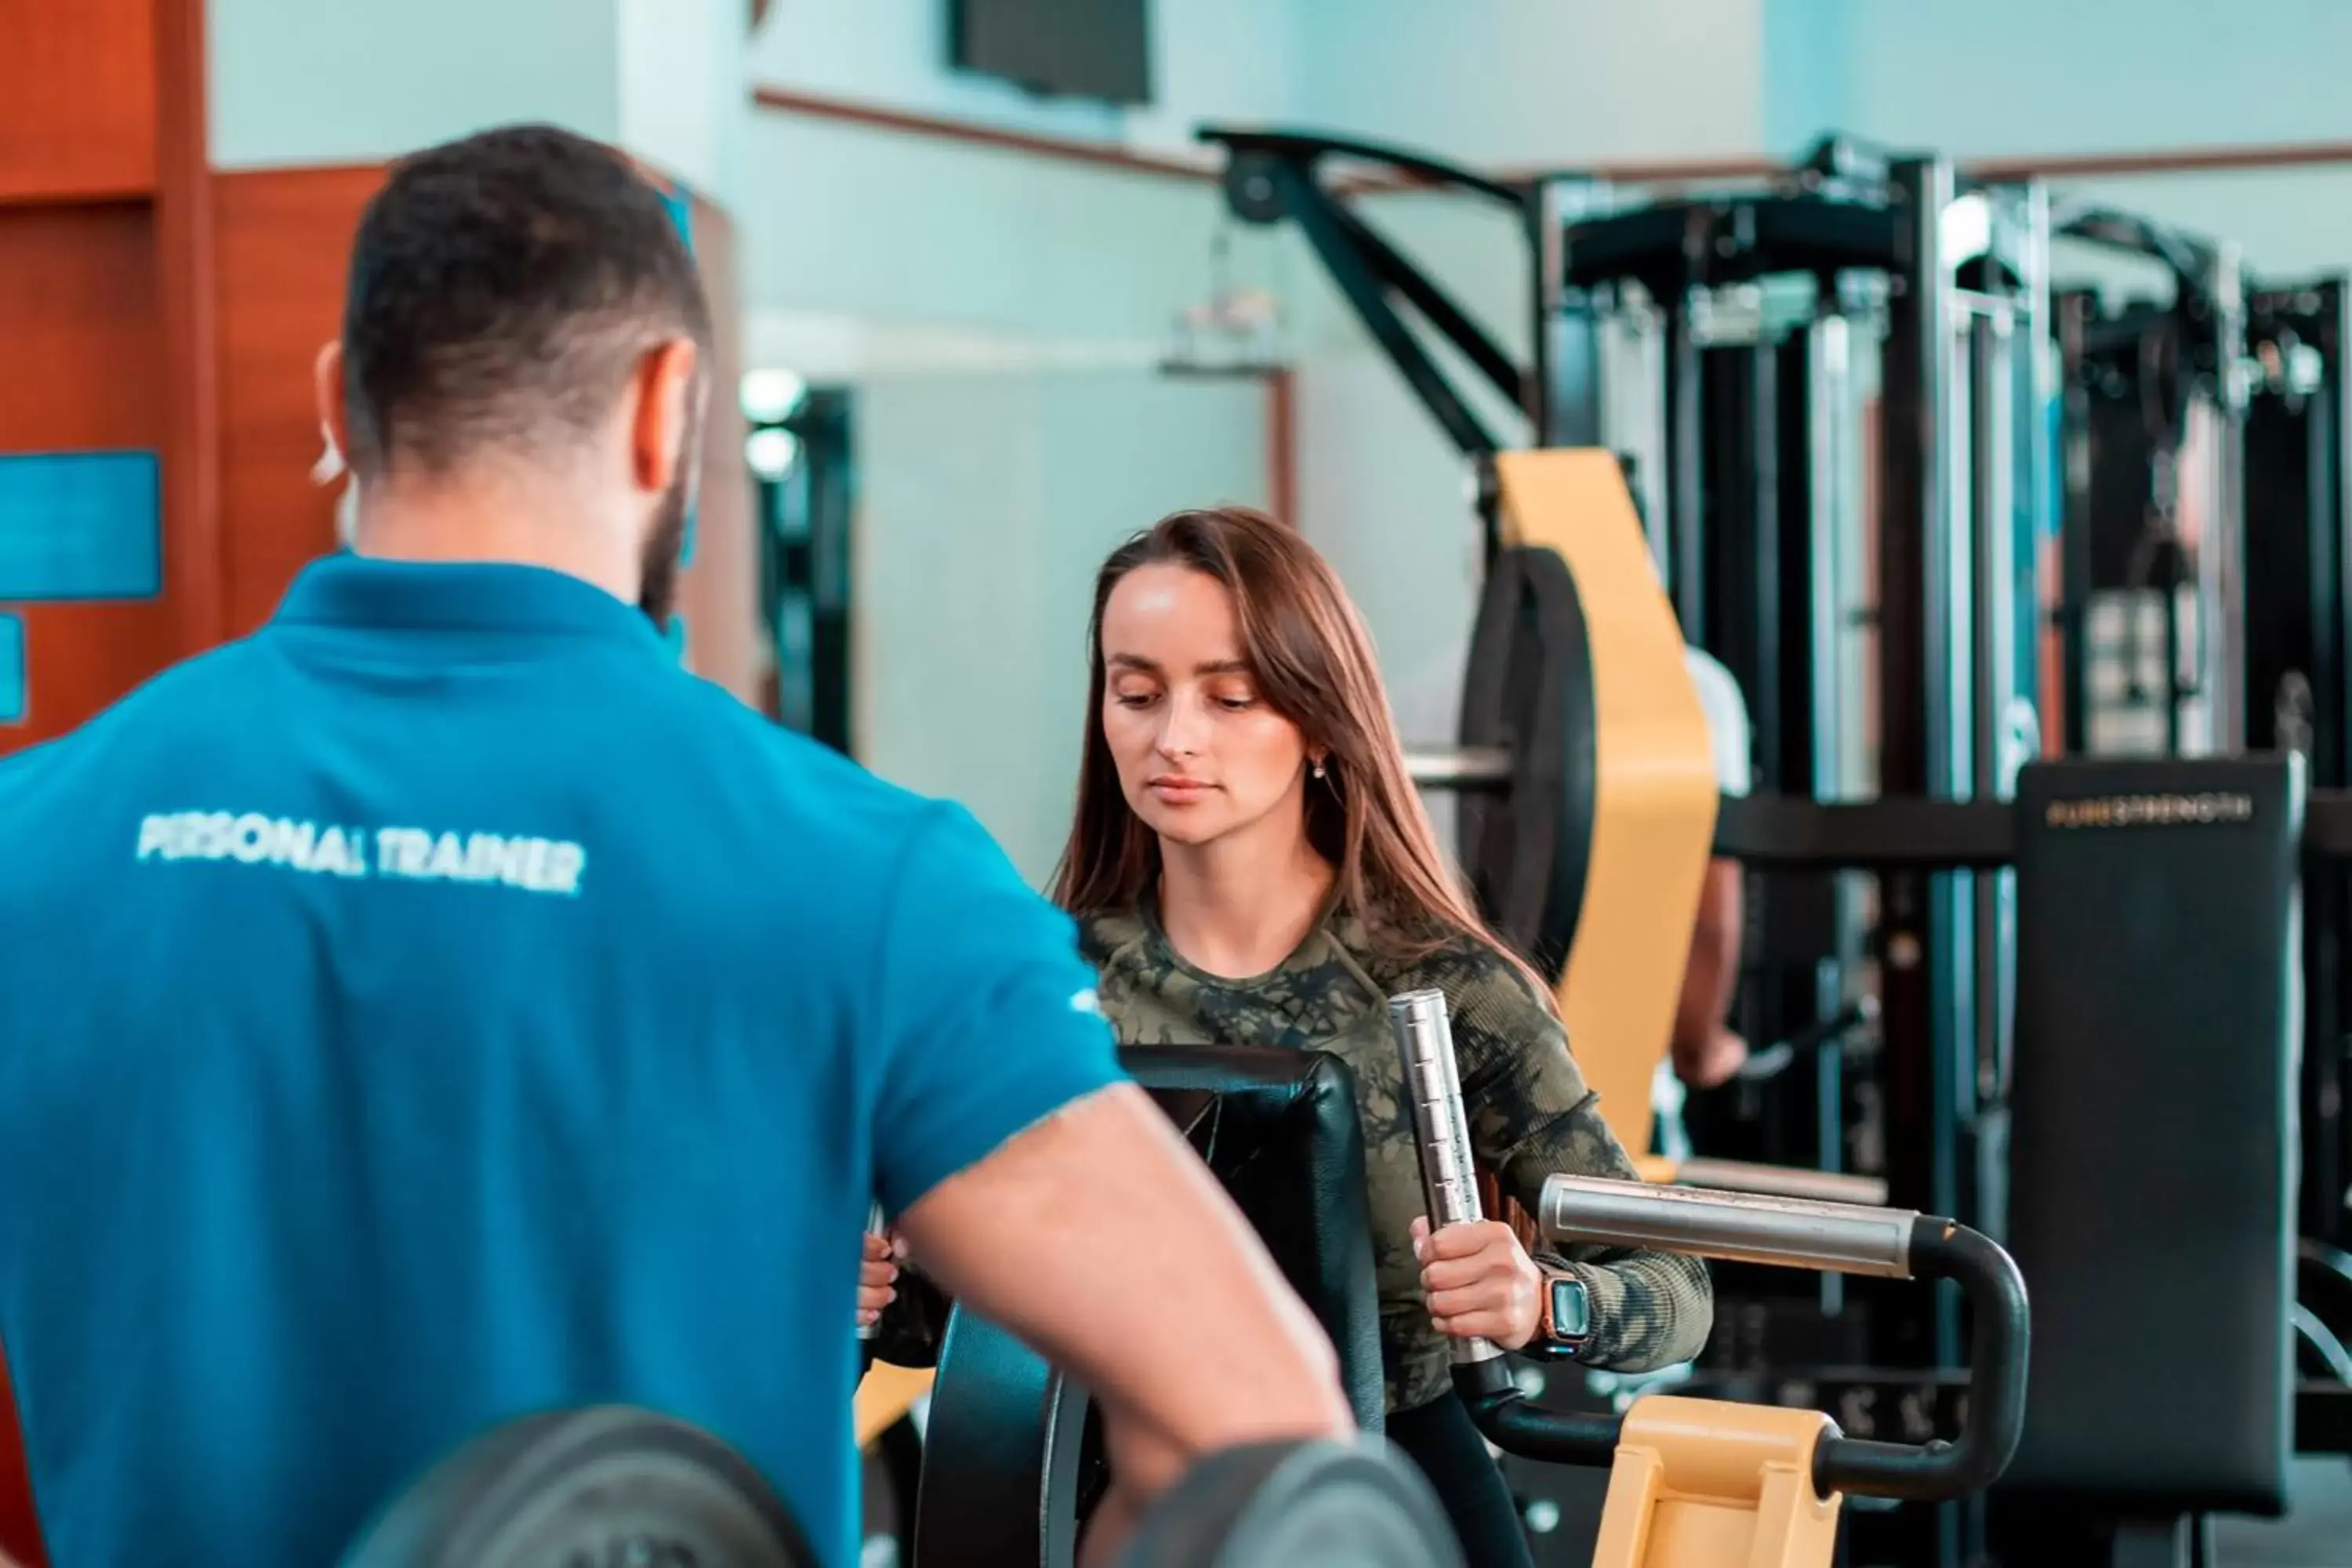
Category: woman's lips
[1176,790]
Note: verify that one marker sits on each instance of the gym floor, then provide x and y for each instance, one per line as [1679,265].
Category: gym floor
[2317,1532]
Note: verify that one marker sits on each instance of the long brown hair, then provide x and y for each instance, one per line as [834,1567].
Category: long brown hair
[1312,661]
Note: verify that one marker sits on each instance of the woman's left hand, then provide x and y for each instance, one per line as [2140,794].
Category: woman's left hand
[1480,1281]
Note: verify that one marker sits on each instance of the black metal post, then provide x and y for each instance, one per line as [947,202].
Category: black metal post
[2328,1104]
[1545,242]
[1686,479]
[1914,528]
[1566,388]
[2074,310]
[1337,237]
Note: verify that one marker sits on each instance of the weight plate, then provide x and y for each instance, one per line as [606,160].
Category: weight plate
[1298,1505]
[1529,689]
[1006,1477]
[609,1486]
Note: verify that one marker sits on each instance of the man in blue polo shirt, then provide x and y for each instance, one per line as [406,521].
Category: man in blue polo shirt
[440,1007]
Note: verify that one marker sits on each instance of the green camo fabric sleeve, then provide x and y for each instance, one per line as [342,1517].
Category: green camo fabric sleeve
[1531,1114]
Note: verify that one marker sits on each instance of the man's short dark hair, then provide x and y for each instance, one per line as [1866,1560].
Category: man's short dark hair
[502,288]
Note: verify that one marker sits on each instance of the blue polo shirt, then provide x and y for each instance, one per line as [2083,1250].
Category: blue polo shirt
[439,1007]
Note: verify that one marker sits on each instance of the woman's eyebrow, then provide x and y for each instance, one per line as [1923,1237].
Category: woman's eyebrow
[1136,661]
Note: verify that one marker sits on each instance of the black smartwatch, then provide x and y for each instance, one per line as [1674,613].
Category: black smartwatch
[1567,1321]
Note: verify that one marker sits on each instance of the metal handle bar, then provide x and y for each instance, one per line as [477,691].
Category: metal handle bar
[1787,1232]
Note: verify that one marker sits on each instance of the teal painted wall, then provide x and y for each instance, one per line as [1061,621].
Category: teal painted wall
[2006,77]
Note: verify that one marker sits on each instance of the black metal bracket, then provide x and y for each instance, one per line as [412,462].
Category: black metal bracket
[1307,146]
[1675,247]
[2188,258]
[1273,176]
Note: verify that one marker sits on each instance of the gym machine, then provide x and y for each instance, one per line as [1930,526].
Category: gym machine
[1965,459]
[1014,1467]
[2206,443]
[2151,611]
[1695,1482]
[1729,348]
[2298,596]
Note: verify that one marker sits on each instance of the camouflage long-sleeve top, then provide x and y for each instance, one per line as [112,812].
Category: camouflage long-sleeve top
[1531,1114]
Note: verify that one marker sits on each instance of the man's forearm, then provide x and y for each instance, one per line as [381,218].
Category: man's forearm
[1711,973]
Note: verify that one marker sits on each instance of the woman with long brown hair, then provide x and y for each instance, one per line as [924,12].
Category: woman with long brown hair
[1250,864]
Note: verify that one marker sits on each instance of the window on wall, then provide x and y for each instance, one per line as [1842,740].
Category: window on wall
[803,467]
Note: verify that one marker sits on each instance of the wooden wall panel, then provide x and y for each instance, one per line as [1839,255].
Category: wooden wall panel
[77,81]
[183,254]
[80,321]
[284,240]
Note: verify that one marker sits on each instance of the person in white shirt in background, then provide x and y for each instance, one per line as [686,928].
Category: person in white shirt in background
[1705,1051]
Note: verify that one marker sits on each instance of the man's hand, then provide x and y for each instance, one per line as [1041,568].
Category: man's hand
[1712,1060]
[877,1280]
[1480,1282]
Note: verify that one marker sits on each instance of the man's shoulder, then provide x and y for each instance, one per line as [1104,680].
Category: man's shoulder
[797,778]
[186,697]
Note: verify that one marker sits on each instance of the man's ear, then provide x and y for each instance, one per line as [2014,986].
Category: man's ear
[667,387]
[334,417]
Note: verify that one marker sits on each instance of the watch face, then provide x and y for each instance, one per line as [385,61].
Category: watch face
[1572,1309]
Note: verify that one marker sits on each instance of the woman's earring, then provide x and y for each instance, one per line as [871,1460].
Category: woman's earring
[1319,767]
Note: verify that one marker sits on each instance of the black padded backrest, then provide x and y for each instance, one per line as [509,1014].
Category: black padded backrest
[1279,1128]
[1011,1460]
[2152,1154]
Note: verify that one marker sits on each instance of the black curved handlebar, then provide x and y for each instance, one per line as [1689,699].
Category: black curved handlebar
[1932,1472]
[1937,1471]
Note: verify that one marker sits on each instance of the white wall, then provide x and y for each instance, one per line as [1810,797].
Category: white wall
[309,81]
[879,225]
[302,81]
[987,502]
[1211,59]
[1537,81]
[684,94]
